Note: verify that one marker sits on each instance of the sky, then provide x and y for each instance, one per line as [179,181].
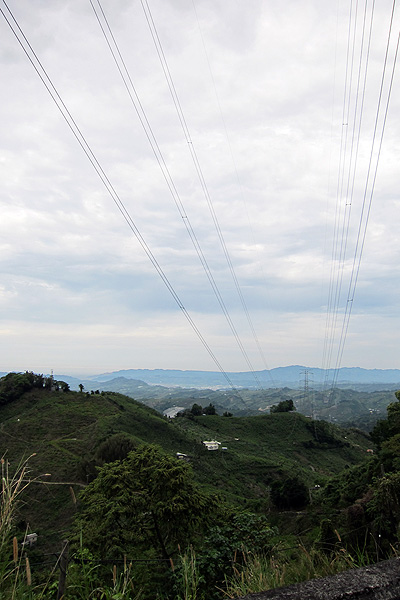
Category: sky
[280,117]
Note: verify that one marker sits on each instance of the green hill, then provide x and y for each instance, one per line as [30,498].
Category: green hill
[68,432]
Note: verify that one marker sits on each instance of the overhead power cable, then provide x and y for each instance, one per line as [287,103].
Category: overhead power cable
[366,206]
[333,294]
[238,181]
[47,82]
[191,146]
[339,257]
[348,167]
[140,111]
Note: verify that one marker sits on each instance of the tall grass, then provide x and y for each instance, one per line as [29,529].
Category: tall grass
[14,568]
[258,573]
[188,577]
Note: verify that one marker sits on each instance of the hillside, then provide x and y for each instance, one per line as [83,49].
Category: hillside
[67,430]
[342,406]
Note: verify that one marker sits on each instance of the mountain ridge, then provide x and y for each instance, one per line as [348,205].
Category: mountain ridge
[276,377]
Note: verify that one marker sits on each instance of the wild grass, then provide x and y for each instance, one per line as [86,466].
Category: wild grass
[258,573]
[14,568]
[188,577]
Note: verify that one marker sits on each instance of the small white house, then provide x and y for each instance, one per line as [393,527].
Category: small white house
[212,445]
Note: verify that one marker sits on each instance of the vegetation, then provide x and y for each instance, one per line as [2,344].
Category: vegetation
[283,406]
[197,410]
[289,498]
[347,407]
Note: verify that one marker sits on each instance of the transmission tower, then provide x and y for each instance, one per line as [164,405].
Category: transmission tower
[308,397]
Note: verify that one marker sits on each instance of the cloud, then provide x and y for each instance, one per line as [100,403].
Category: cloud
[267,127]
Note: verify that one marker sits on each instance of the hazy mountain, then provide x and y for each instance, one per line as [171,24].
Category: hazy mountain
[291,376]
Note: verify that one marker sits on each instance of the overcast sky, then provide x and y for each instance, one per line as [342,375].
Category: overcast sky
[261,85]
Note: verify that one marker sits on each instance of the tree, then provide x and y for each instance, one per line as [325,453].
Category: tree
[197,410]
[64,386]
[209,410]
[386,428]
[284,406]
[13,385]
[146,502]
[81,387]
[116,447]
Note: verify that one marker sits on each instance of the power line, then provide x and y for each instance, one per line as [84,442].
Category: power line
[242,196]
[192,149]
[366,208]
[133,95]
[339,257]
[47,82]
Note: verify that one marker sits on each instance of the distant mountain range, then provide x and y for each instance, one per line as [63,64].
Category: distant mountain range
[292,376]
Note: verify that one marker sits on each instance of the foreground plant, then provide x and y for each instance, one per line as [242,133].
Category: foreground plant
[187,577]
[258,573]
[14,568]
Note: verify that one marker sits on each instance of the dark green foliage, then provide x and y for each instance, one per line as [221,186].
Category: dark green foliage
[350,485]
[389,427]
[64,386]
[371,492]
[13,385]
[226,543]
[327,539]
[284,406]
[146,502]
[380,432]
[384,512]
[289,494]
[325,436]
[116,447]
[245,532]
[197,410]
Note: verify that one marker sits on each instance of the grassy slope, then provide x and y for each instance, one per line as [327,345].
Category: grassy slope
[261,448]
[65,428]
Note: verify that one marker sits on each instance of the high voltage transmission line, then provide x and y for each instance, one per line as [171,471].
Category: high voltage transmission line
[79,136]
[191,146]
[348,168]
[151,137]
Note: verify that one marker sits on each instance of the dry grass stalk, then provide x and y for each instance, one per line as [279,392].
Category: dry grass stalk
[28,571]
[71,489]
[15,549]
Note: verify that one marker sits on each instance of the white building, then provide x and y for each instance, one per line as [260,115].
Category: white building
[212,445]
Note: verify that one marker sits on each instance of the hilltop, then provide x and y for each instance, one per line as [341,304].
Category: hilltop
[342,406]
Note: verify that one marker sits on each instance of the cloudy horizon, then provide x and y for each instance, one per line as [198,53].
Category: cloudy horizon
[262,90]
